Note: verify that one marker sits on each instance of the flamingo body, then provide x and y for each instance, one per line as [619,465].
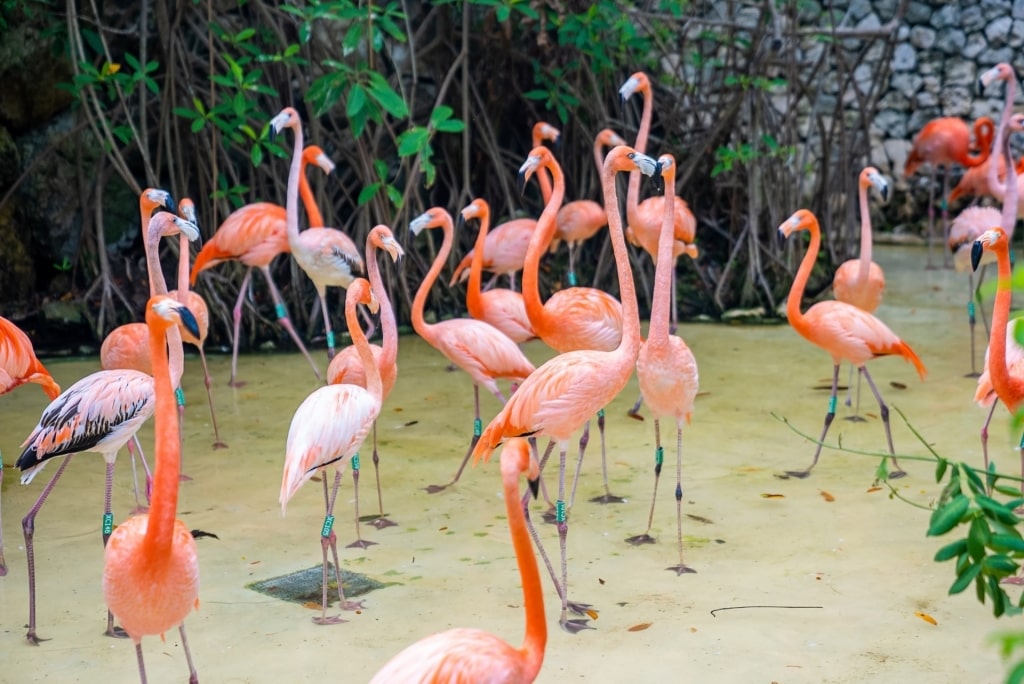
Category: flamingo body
[18,362]
[860,281]
[942,141]
[504,249]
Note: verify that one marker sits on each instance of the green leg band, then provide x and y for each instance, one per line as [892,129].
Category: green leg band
[560,511]
[108,523]
[355,462]
[659,456]
[478,427]
[572,279]
[325,531]
[330,339]
[280,310]
[831,404]
[179,394]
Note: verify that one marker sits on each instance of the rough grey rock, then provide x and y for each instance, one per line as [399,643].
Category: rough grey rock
[922,37]
[904,57]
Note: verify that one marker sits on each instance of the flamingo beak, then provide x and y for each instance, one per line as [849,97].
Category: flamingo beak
[188,321]
[656,179]
[534,486]
[977,250]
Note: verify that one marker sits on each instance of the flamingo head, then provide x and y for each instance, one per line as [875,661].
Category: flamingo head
[382,238]
[475,209]
[432,218]
[314,154]
[539,156]
[871,176]
[801,220]
[637,83]
[153,199]
[516,459]
[1001,71]
[667,165]
[359,292]
[187,211]
[625,158]
[542,130]
[287,118]
[610,138]
[165,311]
[990,240]
[164,224]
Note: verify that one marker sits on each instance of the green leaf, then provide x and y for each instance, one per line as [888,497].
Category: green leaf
[198,125]
[997,510]
[412,141]
[940,469]
[440,114]
[386,97]
[245,34]
[950,551]
[256,155]
[1000,563]
[503,12]
[964,580]
[395,196]
[1006,542]
[536,94]
[977,538]
[367,193]
[356,100]
[451,126]
[946,518]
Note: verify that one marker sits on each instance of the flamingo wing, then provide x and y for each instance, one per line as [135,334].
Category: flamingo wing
[481,350]
[587,319]
[852,334]
[457,656]
[253,234]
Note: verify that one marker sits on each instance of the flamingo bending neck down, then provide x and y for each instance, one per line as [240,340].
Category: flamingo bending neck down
[19,365]
[327,430]
[860,281]
[844,331]
[328,256]
[480,349]
[666,368]
[472,655]
[255,234]
[99,413]
[347,368]
[561,395]
[150,568]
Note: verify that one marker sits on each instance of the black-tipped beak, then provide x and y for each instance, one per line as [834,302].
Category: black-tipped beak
[981,87]
[656,179]
[622,101]
[461,223]
[557,145]
[885,193]
[534,486]
[522,182]
[271,133]
[188,321]
[170,205]
[781,238]
[977,250]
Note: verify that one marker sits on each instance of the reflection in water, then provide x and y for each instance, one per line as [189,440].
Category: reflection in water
[860,555]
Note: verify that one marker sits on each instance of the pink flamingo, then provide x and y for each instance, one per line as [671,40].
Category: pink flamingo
[19,365]
[666,368]
[481,350]
[472,655]
[844,331]
[560,396]
[99,413]
[347,368]
[328,256]
[327,430]
[255,234]
[150,565]
[504,309]
[860,281]
[574,318]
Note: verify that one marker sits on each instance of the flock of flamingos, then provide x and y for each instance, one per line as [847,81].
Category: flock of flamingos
[151,575]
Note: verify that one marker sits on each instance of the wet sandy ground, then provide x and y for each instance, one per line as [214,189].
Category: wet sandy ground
[862,557]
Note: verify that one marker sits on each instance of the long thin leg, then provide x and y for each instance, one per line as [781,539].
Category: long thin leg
[945,216]
[659,457]
[982,272]
[829,417]
[572,264]
[607,497]
[584,440]
[282,318]
[634,412]
[359,543]
[682,568]
[855,417]
[327,538]
[217,444]
[236,314]
[28,528]
[135,449]
[562,524]
[343,603]
[381,521]
[108,529]
[884,410]
[3,562]
[142,663]
[984,433]
[931,216]
[477,430]
[971,322]
[193,676]
[327,325]
[179,396]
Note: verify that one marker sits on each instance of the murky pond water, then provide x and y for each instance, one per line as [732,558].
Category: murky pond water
[861,557]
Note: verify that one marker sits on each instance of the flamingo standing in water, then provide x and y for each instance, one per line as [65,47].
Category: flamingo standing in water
[478,348]
[574,318]
[327,430]
[942,142]
[328,256]
[504,309]
[99,413]
[560,396]
[666,368]
[844,331]
[150,569]
[254,235]
[19,365]
[974,181]
[472,655]
[347,368]
[860,281]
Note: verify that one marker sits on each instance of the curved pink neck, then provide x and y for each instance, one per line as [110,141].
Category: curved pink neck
[1007,388]
[796,291]
[163,506]
[294,179]
[388,325]
[542,234]
[633,191]
[316,219]
[864,265]
[157,285]
[542,175]
[999,190]
[658,330]
[419,324]
[1010,196]
[474,300]
[536,635]
[630,343]
[373,381]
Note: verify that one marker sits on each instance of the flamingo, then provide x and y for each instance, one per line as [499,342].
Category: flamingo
[580,220]
[860,281]
[254,235]
[974,181]
[1009,192]
[473,655]
[942,142]
[576,317]
[666,368]
[328,256]
[99,413]
[504,309]
[560,396]
[327,430]
[644,218]
[19,365]
[844,331]
[150,565]
[347,368]
[478,348]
